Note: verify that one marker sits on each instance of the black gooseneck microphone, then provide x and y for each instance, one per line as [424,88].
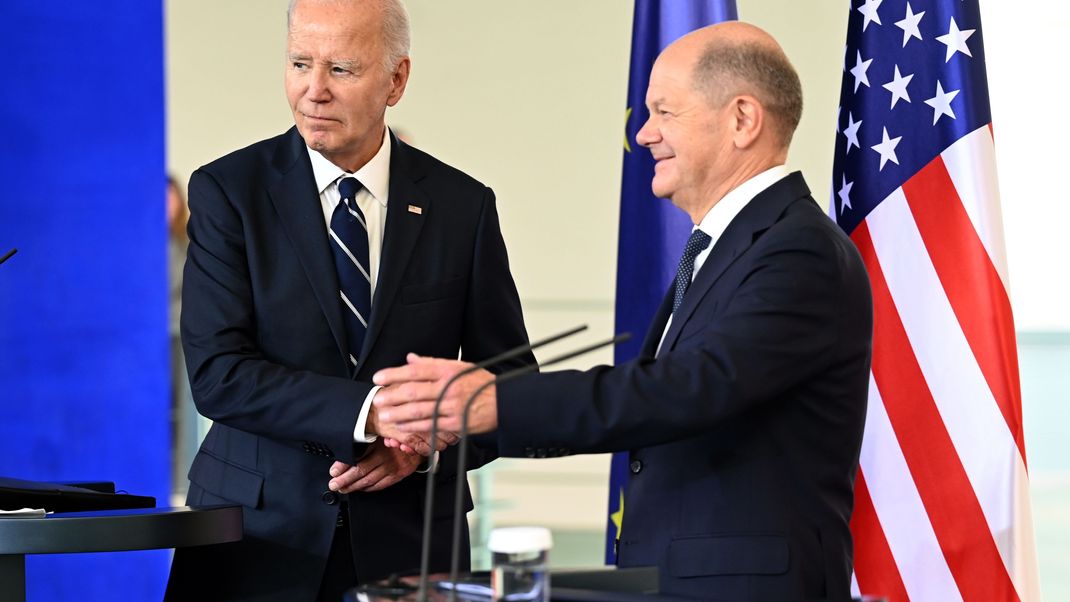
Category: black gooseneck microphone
[429,496]
[462,456]
[8,255]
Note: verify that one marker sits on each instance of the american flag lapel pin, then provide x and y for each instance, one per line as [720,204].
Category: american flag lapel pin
[416,210]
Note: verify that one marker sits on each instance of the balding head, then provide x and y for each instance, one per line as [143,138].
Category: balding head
[734,58]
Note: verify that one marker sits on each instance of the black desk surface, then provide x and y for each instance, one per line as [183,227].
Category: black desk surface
[115,530]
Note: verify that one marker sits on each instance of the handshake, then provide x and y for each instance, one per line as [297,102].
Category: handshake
[401,417]
[402,410]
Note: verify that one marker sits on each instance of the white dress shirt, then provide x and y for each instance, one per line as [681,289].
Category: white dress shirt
[723,212]
[372,198]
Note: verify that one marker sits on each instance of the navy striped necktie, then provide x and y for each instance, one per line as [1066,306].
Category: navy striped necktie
[349,242]
[696,243]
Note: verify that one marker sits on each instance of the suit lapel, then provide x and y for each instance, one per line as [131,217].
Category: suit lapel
[399,238]
[760,213]
[657,326]
[296,200]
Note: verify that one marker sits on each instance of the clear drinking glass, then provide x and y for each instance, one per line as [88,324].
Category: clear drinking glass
[520,564]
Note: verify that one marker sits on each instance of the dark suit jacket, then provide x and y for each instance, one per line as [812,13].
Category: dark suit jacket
[264,341]
[745,431]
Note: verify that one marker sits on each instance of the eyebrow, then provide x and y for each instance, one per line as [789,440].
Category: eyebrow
[348,64]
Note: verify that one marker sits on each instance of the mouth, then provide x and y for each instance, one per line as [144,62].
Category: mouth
[314,119]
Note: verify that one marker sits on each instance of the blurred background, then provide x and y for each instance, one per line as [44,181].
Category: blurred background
[528,97]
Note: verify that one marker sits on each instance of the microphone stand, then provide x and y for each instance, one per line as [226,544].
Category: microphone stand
[429,495]
[462,455]
[8,255]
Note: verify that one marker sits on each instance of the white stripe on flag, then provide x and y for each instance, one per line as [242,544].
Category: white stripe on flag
[353,309]
[983,442]
[1024,571]
[971,163]
[345,249]
[898,506]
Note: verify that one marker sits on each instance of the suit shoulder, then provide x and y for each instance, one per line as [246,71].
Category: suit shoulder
[245,162]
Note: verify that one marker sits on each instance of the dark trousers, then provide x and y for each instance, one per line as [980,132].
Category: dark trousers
[340,574]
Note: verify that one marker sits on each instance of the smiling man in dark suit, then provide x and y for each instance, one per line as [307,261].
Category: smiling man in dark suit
[744,412]
[316,258]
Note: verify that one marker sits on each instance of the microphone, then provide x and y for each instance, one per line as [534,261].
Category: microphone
[429,495]
[8,255]
[462,456]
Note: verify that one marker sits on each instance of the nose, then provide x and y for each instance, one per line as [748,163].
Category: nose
[318,88]
[648,134]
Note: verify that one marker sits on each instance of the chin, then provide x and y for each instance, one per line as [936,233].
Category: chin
[660,190]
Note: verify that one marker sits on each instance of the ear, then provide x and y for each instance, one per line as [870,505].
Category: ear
[398,80]
[748,120]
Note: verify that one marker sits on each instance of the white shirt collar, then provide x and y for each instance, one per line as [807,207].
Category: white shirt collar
[374,175]
[724,211]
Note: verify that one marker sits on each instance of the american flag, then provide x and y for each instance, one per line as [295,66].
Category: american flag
[942,503]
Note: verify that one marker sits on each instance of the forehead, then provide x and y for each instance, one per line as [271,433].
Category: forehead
[670,80]
[334,29]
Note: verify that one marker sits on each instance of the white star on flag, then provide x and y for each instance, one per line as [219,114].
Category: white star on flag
[898,87]
[851,131]
[886,149]
[941,103]
[869,12]
[859,71]
[909,25]
[845,195]
[955,40]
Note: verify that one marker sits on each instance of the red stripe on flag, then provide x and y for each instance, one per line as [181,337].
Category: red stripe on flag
[875,566]
[942,484]
[972,285]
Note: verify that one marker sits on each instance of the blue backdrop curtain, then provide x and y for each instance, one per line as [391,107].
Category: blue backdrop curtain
[84,390]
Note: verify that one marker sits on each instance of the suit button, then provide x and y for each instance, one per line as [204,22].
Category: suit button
[636,466]
[329,497]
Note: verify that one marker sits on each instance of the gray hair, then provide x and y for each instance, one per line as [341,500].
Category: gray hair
[725,69]
[397,35]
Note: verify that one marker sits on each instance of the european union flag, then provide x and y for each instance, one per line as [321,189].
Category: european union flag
[652,231]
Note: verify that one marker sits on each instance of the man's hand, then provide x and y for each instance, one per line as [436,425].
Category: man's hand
[409,442]
[379,468]
[408,399]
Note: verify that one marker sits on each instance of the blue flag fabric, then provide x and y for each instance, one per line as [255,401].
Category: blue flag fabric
[652,231]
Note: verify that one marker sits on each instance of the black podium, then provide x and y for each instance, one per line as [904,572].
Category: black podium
[109,531]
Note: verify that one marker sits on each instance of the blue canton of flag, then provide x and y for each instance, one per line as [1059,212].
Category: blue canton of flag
[914,82]
[652,231]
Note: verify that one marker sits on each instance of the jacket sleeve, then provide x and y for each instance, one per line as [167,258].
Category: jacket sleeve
[801,309]
[233,382]
[494,320]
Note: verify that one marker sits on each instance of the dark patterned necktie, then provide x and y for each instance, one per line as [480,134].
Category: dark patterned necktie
[349,242]
[696,243]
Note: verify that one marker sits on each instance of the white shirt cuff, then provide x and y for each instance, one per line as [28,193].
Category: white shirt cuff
[432,464]
[360,432]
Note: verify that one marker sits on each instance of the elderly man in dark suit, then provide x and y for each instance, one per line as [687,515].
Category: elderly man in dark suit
[744,413]
[316,258]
